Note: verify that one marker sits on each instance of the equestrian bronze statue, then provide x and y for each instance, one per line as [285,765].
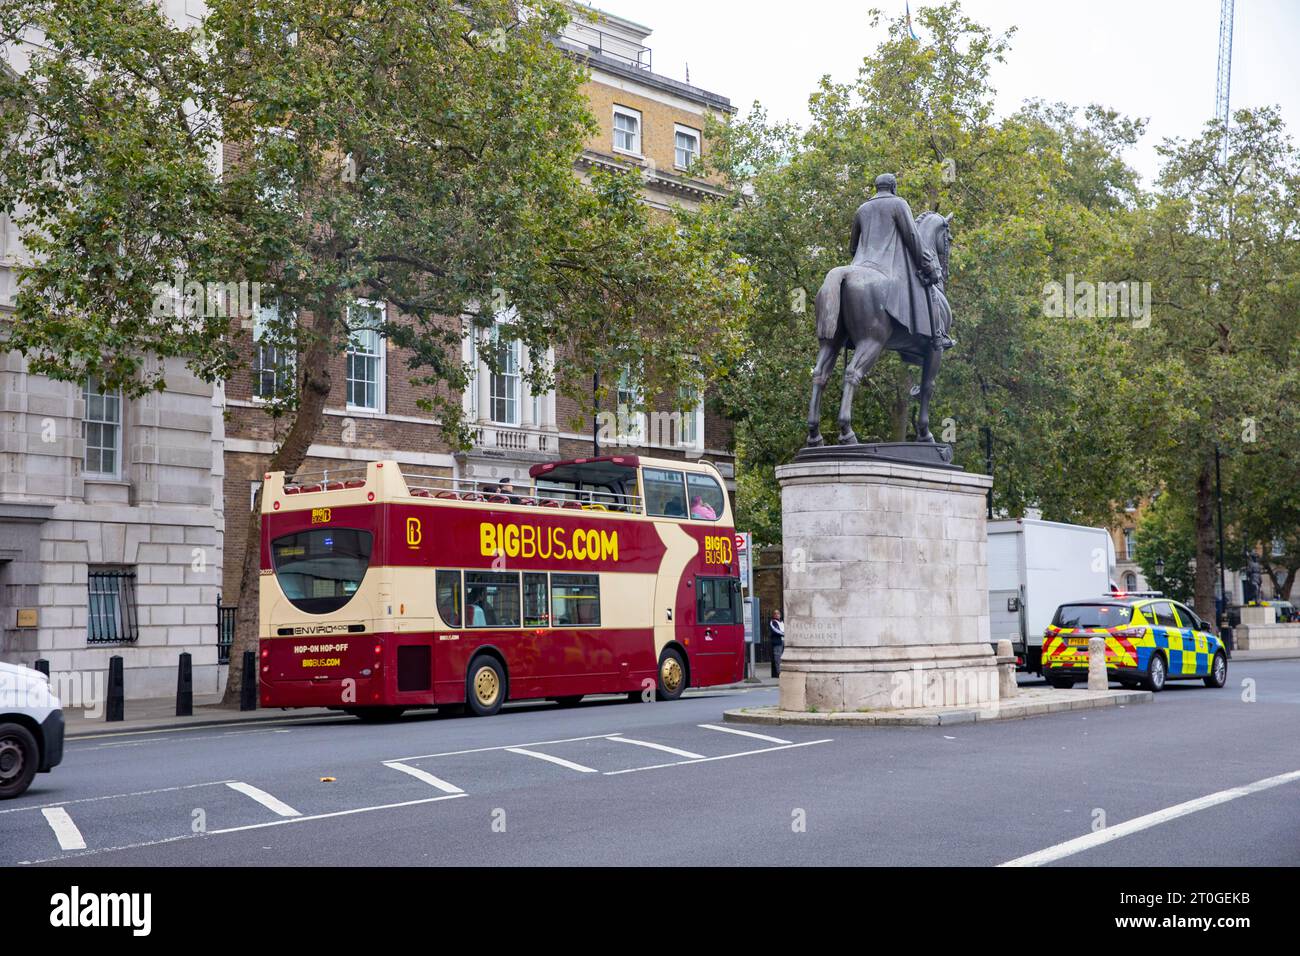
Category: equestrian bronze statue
[890,296]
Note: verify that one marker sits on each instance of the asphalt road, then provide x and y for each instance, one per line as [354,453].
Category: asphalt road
[610,782]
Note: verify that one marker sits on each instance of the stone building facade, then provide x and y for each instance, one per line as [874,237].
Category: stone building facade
[111,513]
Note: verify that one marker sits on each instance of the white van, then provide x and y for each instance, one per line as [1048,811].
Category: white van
[31,728]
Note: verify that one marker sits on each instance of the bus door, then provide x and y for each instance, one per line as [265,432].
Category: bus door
[717,636]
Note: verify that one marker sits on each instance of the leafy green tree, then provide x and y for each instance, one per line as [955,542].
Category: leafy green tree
[1035,196]
[1220,360]
[415,151]
[1166,538]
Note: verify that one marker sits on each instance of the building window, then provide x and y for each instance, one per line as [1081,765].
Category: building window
[506,380]
[1129,544]
[274,361]
[102,429]
[687,147]
[627,130]
[366,356]
[630,421]
[1130,581]
[110,615]
[691,434]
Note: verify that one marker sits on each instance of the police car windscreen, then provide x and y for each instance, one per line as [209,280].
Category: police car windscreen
[1092,615]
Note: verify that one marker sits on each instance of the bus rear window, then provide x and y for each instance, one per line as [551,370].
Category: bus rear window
[320,570]
[1092,615]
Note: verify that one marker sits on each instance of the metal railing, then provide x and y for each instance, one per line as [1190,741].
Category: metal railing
[488,490]
[425,485]
[225,630]
[610,45]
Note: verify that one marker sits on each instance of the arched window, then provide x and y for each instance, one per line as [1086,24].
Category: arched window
[1130,581]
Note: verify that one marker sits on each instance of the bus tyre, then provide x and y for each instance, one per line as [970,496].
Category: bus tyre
[1154,679]
[672,675]
[19,756]
[1218,675]
[485,686]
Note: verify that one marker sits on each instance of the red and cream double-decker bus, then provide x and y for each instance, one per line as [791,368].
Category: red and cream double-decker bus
[383,590]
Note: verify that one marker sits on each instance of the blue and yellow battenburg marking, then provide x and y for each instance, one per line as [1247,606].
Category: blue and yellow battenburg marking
[1184,654]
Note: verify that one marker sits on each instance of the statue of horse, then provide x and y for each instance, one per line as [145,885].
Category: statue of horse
[850,310]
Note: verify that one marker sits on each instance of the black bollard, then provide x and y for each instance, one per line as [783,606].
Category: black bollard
[116,708]
[185,687]
[248,689]
[43,666]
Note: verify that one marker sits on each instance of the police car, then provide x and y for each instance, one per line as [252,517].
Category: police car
[31,728]
[1149,640]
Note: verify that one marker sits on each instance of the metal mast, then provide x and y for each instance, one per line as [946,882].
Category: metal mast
[1223,85]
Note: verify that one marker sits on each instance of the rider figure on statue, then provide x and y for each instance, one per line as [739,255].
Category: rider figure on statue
[885,237]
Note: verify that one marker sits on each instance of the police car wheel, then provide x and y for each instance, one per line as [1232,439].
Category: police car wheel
[1218,671]
[1154,680]
[1060,682]
[19,756]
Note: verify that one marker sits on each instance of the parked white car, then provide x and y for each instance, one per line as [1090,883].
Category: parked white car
[31,728]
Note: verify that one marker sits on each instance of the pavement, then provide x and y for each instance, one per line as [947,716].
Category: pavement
[158,713]
[1197,777]
[1029,702]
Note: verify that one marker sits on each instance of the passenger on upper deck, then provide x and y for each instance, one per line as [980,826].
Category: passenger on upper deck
[701,509]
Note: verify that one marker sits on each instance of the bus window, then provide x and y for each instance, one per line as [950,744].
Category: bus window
[706,497]
[320,570]
[576,599]
[449,597]
[664,494]
[717,601]
[491,599]
[537,613]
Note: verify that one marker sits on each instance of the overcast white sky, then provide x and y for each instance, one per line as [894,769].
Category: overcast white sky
[1148,58]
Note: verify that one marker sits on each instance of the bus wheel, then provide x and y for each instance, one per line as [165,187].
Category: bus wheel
[572,701]
[672,675]
[376,715]
[18,759]
[485,686]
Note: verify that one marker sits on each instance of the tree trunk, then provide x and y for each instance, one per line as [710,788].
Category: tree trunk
[1206,542]
[288,458]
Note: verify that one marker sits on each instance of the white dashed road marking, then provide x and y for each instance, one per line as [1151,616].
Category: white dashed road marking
[65,830]
[668,750]
[743,753]
[428,778]
[558,761]
[1088,841]
[745,733]
[265,799]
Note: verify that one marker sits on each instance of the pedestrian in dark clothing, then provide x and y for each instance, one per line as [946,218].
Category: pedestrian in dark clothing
[776,631]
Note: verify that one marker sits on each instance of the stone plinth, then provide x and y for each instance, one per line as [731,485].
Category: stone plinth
[886,587]
[1260,614]
[1265,637]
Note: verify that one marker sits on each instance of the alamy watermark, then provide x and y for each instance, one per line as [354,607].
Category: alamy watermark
[194,299]
[1098,300]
